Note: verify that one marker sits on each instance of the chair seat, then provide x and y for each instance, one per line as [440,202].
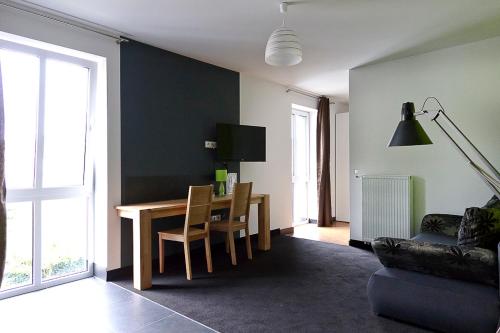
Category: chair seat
[224,226]
[177,234]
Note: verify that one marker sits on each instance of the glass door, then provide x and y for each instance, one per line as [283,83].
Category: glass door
[300,165]
[48,98]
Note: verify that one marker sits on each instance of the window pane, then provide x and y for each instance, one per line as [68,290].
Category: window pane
[18,263]
[66,105]
[20,75]
[64,237]
[300,158]
[299,201]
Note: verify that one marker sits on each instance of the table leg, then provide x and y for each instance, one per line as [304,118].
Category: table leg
[264,225]
[142,250]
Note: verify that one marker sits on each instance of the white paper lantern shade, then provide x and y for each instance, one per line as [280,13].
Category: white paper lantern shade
[283,48]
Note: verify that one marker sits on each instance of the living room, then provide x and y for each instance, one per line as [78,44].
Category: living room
[348,135]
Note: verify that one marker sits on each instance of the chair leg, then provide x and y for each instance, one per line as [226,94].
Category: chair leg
[230,235]
[208,253]
[227,242]
[187,256]
[161,255]
[247,241]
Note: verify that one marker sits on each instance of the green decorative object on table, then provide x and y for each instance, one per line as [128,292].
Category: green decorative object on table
[221,176]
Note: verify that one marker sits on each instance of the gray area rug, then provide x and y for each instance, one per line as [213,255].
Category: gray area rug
[298,286]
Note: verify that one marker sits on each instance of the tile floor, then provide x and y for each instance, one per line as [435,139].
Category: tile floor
[90,305]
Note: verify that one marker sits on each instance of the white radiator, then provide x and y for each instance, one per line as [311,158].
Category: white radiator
[387,209]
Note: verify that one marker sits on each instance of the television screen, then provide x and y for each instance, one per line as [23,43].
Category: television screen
[241,143]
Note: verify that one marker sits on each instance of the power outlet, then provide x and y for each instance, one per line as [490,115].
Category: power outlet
[210,144]
[215,218]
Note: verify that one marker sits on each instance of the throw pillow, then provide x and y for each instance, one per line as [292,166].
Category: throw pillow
[480,227]
[494,202]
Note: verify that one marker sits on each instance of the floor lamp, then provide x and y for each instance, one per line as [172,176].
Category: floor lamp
[410,133]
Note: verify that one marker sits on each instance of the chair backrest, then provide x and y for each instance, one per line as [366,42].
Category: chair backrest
[240,203]
[199,205]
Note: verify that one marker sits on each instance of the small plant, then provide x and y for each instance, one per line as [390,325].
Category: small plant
[63,266]
[19,273]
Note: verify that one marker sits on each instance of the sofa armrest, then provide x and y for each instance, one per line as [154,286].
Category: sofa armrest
[454,262]
[445,224]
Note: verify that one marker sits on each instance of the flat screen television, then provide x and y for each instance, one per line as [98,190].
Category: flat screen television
[241,143]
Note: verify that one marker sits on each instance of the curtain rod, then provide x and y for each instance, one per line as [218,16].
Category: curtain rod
[44,12]
[307,93]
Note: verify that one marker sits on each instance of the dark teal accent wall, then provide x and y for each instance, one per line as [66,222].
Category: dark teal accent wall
[170,105]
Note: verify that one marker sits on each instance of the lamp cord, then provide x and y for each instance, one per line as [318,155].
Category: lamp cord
[437,101]
[284,11]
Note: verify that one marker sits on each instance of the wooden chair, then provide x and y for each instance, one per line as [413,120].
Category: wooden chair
[240,207]
[198,212]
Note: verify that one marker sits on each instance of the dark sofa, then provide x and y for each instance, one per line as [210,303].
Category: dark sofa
[431,282]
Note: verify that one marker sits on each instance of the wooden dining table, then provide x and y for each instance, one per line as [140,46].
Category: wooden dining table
[142,215]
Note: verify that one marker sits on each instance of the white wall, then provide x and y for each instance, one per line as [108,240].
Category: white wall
[340,202]
[108,182]
[263,103]
[466,79]
[341,188]
[340,107]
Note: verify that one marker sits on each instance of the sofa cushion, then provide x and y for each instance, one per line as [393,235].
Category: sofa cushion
[431,237]
[450,261]
[437,303]
[445,224]
[480,227]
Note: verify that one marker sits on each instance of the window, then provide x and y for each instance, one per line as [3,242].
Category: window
[48,103]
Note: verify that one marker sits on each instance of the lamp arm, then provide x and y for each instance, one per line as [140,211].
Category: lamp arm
[487,178]
[493,184]
[441,111]
[460,150]
[481,156]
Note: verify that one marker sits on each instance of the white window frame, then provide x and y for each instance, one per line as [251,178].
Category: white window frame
[38,194]
[304,114]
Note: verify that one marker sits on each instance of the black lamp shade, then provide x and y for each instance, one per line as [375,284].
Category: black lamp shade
[409,131]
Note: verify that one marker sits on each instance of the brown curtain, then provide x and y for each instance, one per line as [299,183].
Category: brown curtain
[3,218]
[323,163]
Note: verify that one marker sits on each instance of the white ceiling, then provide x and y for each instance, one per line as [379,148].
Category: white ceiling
[336,34]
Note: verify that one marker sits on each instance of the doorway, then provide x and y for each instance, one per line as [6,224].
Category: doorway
[304,175]
[304,164]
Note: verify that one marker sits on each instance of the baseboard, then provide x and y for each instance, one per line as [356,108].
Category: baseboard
[118,273]
[127,271]
[286,231]
[315,221]
[360,244]
[274,233]
[100,272]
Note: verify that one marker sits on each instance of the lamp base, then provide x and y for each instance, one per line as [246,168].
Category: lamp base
[222,189]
